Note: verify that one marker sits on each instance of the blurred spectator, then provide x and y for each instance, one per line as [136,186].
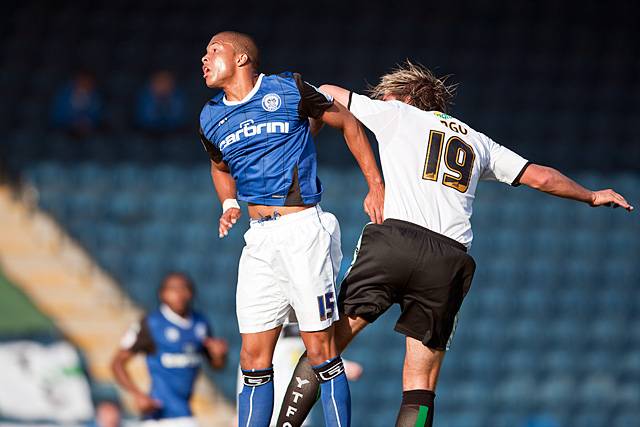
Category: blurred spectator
[77,106]
[108,414]
[161,105]
[172,338]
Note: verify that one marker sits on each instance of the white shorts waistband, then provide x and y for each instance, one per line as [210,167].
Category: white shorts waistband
[282,220]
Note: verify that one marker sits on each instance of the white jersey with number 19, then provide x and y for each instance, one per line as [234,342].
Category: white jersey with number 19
[432,163]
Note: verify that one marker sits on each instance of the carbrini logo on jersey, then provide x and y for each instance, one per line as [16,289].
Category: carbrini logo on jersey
[248,129]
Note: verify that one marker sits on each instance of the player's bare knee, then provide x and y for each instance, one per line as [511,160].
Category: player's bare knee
[320,353]
[254,357]
[320,345]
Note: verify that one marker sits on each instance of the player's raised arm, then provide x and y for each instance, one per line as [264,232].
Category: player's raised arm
[339,117]
[319,106]
[338,93]
[551,181]
[377,115]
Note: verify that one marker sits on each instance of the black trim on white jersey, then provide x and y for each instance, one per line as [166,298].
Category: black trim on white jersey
[516,182]
[349,102]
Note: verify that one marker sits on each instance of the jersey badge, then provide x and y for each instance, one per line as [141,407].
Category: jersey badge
[271,102]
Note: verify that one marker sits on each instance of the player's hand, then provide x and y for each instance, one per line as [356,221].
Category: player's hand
[374,203]
[609,198]
[216,346]
[227,220]
[146,404]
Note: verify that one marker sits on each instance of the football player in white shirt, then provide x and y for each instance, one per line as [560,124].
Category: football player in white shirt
[431,163]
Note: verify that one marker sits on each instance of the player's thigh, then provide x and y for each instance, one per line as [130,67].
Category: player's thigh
[421,366]
[346,329]
[260,303]
[379,268]
[432,299]
[309,258]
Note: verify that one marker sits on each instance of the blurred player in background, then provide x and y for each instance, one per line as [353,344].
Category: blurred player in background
[257,134]
[173,338]
[285,358]
[432,163]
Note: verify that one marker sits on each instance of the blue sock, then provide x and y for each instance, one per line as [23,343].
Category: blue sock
[255,402]
[334,391]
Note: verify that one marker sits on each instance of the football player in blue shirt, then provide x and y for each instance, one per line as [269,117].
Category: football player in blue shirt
[173,339]
[257,131]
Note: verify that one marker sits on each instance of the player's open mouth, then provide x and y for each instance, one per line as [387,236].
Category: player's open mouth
[205,70]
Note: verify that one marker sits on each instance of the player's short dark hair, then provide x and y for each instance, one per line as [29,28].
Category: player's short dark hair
[244,43]
[416,82]
[181,274]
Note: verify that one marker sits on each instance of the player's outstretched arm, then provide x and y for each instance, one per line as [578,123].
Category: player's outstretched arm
[226,188]
[551,181]
[143,402]
[339,117]
[339,94]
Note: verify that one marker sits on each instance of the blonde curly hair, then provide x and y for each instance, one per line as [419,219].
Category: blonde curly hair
[417,83]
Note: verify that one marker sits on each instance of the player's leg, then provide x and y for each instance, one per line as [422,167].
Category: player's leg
[261,310]
[419,378]
[310,258]
[430,302]
[255,401]
[364,296]
[328,367]
[304,389]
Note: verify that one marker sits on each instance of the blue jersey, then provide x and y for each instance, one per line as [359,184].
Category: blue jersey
[265,140]
[173,347]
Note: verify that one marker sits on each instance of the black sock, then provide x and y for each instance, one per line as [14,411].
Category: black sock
[302,393]
[416,409]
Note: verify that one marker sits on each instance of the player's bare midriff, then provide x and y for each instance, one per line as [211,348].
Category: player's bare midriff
[261,211]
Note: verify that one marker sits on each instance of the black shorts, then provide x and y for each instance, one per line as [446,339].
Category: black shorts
[427,273]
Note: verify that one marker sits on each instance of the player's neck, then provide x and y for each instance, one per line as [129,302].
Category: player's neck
[239,87]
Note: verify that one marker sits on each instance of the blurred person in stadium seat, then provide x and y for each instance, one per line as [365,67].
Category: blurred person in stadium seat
[173,338]
[258,136]
[108,414]
[77,106]
[161,105]
[432,163]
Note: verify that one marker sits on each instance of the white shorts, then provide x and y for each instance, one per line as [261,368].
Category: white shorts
[291,262]
[171,422]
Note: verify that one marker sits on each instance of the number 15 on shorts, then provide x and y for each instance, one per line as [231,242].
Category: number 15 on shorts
[326,304]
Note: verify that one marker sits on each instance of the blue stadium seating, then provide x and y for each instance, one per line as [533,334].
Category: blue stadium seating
[553,307]
[549,327]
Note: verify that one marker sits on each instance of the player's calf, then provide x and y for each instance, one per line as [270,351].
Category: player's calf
[419,379]
[255,401]
[329,370]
